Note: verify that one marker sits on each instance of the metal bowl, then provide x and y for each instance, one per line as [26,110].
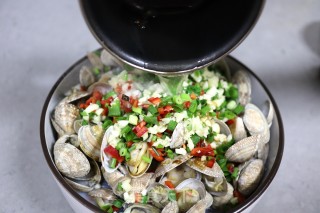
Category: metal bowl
[78,201]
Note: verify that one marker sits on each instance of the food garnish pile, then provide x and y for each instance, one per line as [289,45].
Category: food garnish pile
[137,142]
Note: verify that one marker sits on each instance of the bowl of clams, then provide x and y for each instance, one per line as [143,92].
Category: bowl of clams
[118,139]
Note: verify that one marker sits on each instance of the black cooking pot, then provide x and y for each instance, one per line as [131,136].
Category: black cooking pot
[170,37]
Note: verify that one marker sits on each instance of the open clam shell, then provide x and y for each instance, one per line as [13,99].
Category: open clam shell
[219,201]
[179,174]
[238,129]
[268,111]
[169,164]
[105,159]
[86,77]
[200,166]
[141,208]
[171,207]
[177,138]
[216,186]
[136,165]
[224,129]
[158,195]
[242,80]
[191,191]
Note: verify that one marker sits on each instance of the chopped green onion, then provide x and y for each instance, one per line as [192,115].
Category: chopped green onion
[123,151]
[185,97]
[227,114]
[125,130]
[120,145]
[137,110]
[170,153]
[109,94]
[118,203]
[83,113]
[96,71]
[106,124]
[114,109]
[172,195]
[239,109]
[98,103]
[231,105]
[154,138]
[84,122]
[133,147]
[152,110]
[205,110]
[160,146]
[235,172]
[119,187]
[144,199]
[133,119]
[195,139]
[128,156]
[146,159]
[177,99]
[233,92]
[150,119]
[113,163]
[172,125]
[193,106]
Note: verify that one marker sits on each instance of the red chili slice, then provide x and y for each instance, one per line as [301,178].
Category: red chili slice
[112,152]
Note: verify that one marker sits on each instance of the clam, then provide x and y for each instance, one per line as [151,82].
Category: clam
[114,179]
[179,174]
[141,183]
[219,201]
[254,119]
[64,116]
[263,151]
[238,130]
[243,150]
[104,197]
[101,87]
[190,191]
[268,111]
[250,176]
[215,185]
[95,60]
[141,208]
[107,59]
[224,129]
[242,80]
[86,77]
[105,159]
[69,160]
[158,195]
[169,164]
[90,138]
[75,95]
[136,165]
[89,182]
[200,166]
[177,138]
[171,207]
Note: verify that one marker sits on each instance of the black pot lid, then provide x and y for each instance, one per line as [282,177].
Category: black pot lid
[173,39]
